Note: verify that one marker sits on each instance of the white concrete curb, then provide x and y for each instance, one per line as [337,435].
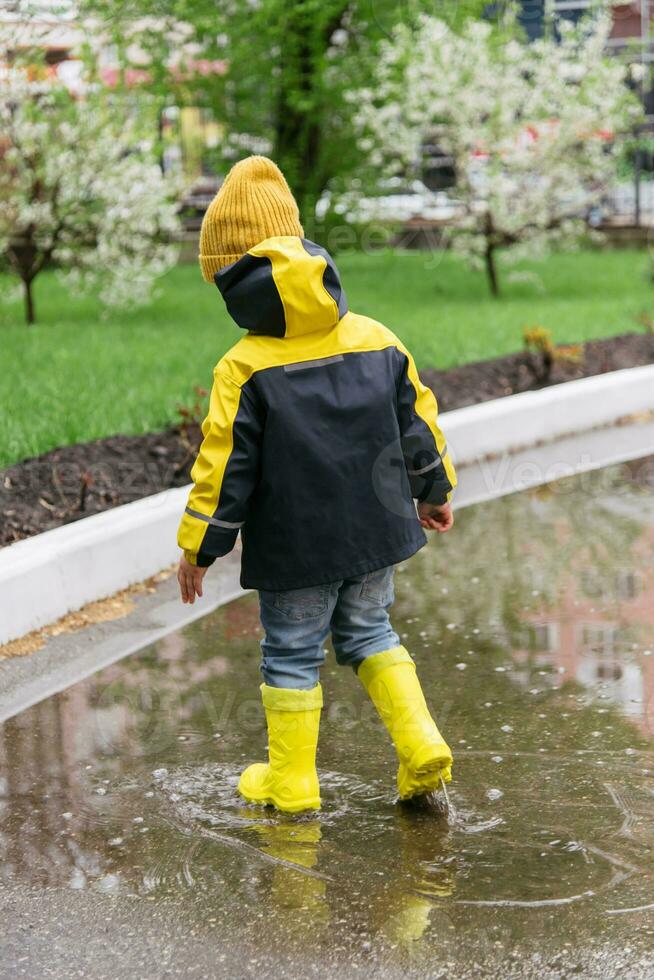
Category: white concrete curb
[44,577]
[507,424]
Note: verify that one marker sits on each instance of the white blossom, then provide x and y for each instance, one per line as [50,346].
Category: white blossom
[530,126]
[78,193]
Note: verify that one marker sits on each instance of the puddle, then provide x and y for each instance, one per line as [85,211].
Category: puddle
[533,628]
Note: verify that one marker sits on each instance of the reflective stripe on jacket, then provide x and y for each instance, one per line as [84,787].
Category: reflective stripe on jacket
[319,433]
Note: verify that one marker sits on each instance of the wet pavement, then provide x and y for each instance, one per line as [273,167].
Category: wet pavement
[533,628]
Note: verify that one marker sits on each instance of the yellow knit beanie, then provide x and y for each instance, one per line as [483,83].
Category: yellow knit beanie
[254,203]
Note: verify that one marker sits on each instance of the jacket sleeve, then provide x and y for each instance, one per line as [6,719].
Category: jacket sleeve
[225,472]
[429,467]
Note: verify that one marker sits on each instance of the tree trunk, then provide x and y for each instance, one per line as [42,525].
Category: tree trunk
[25,262]
[29,301]
[299,122]
[297,149]
[491,270]
[489,255]
[301,173]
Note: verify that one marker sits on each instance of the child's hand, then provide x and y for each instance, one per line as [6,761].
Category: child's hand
[190,580]
[436,517]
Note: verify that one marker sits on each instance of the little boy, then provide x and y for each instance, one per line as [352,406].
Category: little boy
[319,438]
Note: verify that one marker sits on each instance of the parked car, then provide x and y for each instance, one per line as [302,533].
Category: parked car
[397,199]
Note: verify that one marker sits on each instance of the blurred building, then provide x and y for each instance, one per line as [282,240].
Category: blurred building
[599,630]
[632,22]
[188,134]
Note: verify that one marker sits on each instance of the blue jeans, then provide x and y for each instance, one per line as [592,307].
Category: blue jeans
[296,624]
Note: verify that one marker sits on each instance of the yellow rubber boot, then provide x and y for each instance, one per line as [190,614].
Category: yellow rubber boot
[391,681]
[289,780]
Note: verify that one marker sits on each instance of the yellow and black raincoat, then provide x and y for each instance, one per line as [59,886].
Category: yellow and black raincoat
[319,434]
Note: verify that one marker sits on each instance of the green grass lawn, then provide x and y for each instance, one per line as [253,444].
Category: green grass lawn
[81,373]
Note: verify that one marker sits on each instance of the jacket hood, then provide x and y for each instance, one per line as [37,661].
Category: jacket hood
[283,287]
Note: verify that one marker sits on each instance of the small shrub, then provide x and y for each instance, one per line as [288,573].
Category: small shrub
[540,346]
[544,353]
[570,355]
[645,320]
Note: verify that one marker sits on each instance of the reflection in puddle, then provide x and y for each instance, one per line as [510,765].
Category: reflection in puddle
[533,626]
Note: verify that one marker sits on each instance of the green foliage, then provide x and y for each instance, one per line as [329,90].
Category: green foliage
[80,374]
[288,70]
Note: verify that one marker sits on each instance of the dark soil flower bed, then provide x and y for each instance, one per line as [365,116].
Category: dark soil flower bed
[67,484]
[484,380]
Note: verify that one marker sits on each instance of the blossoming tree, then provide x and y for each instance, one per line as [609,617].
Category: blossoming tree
[285,70]
[530,127]
[78,192]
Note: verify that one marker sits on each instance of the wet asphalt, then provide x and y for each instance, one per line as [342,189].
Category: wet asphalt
[127,852]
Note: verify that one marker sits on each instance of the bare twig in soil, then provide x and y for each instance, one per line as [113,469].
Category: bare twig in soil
[86,482]
[56,483]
